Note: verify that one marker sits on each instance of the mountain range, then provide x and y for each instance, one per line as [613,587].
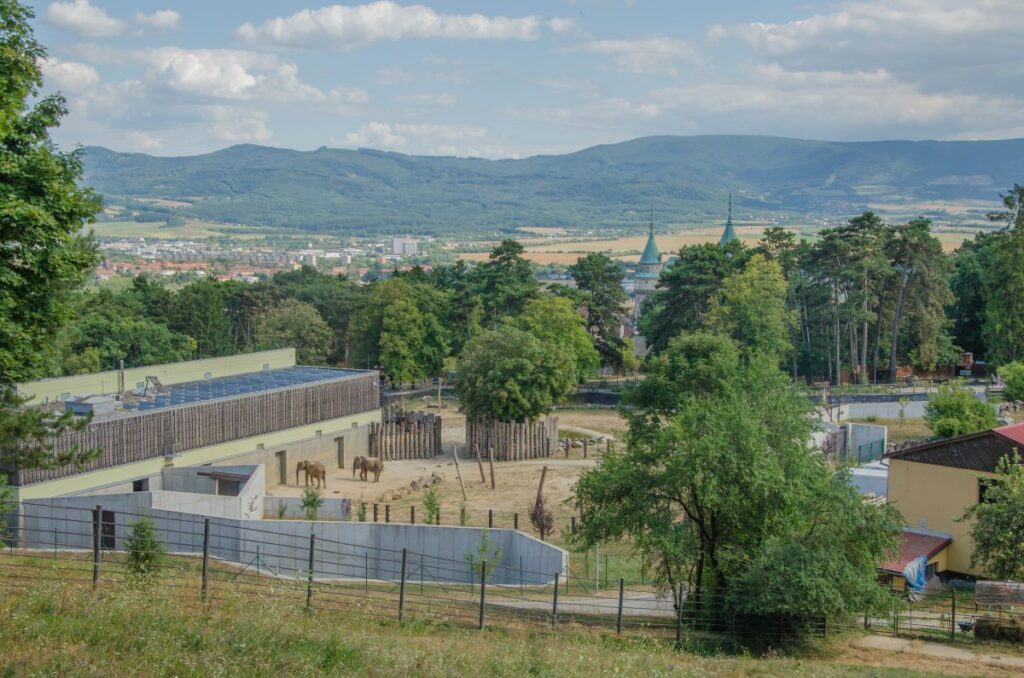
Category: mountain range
[687,179]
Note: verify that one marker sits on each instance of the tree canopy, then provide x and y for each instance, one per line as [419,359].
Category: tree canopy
[953,410]
[297,325]
[997,530]
[599,278]
[508,374]
[553,320]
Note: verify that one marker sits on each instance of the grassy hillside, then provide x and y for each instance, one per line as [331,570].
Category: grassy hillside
[54,628]
[686,178]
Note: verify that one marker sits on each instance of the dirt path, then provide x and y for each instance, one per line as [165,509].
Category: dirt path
[960,659]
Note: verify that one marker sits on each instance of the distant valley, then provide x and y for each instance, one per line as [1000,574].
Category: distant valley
[686,179]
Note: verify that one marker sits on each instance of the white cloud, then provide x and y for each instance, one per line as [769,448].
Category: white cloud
[655,54]
[348,95]
[81,18]
[143,142]
[561,24]
[423,137]
[69,76]
[164,19]
[393,75]
[240,127]
[352,26]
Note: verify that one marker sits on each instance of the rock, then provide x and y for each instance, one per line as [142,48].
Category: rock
[436,478]
[414,485]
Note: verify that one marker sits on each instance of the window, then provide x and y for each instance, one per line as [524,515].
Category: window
[108,536]
[228,488]
[141,485]
[930,571]
[983,487]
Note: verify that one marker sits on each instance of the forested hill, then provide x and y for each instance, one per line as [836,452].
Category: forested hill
[686,178]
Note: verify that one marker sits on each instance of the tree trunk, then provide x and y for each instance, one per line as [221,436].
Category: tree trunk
[835,314]
[897,319]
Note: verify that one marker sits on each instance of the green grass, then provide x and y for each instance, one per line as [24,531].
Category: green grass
[190,230]
[59,628]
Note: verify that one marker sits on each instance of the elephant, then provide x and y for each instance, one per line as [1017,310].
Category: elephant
[371,465]
[314,470]
[357,465]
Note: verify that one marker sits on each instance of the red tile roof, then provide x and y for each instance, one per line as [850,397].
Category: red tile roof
[914,544]
[1014,432]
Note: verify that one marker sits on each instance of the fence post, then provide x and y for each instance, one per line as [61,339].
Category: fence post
[206,558]
[375,512]
[573,529]
[309,581]
[679,617]
[622,590]
[952,617]
[554,603]
[437,518]
[490,518]
[401,589]
[515,521]
[387,513]
[366,572]
[606,571]
[412,515]
[520,575]
[96,547]
[483,590]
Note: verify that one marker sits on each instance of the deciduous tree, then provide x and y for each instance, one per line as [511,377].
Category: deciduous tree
[953,410]
[997,531]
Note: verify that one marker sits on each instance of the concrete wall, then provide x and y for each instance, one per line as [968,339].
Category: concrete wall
[343,550]
[302,442]
[169,373]
[333,509]
[933,497]
[865,434]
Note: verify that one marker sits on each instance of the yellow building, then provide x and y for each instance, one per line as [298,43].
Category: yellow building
[934,483]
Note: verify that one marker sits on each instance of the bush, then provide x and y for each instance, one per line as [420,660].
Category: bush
[1012,375]
[954,411]
[311,502]
[463,514]
[432,505]
[361,513]
[484,551]
[144,550]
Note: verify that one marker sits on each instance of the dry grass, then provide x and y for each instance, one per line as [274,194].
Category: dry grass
[899,432]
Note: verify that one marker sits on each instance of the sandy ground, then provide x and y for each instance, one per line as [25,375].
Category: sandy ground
[516,482]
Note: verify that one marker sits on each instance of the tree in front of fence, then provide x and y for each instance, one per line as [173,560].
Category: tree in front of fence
[311,503]
[720,490]
[997,531]
[463,514]
[361,512]
[953,411]
[144,551]
[485,550]
[45,254]
[432,505]
[541,518]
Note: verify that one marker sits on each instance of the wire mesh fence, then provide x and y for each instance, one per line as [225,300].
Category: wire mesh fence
[478,590]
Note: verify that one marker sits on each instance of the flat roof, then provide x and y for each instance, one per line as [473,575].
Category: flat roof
[192,392]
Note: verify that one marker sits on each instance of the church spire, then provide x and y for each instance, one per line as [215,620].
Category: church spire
[730,233]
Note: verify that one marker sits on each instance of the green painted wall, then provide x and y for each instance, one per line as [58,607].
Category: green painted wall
[92,480]
[168,373]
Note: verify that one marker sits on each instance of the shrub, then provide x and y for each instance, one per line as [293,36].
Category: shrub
[1012,375]
[954,411]
[463,514]
[144,550]
[361,512]
[484,551]
[282,509]
[432,505]
[311,502]
[541,518]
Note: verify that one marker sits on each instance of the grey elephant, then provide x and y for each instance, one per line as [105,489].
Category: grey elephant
[357,465]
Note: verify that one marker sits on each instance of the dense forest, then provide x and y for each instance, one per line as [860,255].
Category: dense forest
[367,192]
[855,304]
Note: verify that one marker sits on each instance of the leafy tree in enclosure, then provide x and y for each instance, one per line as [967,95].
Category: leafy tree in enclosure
[719,488]
[509,375]
[953,411]
[599,278]
[1012,375]
[144,552]
[553,320]
[298,325]
[997,530]
[505,282]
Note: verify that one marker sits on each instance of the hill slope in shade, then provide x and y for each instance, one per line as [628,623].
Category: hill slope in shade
[686,178]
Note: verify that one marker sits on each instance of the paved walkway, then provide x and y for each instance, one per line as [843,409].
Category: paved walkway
[939,651]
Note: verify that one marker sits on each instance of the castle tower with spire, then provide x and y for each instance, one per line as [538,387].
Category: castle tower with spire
[730,233]
[648,269]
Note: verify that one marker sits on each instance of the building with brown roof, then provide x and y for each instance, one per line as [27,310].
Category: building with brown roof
[932,484]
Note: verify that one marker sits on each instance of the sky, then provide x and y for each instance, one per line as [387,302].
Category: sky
[502,79]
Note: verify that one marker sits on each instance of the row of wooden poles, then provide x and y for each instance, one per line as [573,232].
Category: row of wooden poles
[414,438]
[376,513]
[515,440]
